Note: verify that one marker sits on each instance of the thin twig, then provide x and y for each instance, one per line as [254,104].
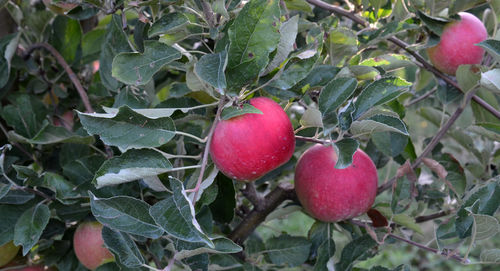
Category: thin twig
[313,140]
[403,45]
[72,76]
[207,149]
[424,218]
[253,196]
[420,98]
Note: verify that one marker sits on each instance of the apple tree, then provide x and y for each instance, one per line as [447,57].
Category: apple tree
[167,135]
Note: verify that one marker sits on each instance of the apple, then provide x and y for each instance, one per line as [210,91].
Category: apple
[248,146]
[457,44]
[66,120]
[8,252]
[89,245]
[95,66]
[329,194]
[59,7]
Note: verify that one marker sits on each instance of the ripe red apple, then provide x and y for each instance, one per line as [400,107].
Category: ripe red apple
[331,194]
[66,120]
[89,245]
[248,146]
[456,46]
[7,252]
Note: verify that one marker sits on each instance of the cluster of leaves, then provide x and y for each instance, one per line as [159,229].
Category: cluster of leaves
[165,66]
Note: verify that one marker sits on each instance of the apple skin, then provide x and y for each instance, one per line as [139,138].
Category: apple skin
[329,194]
[89,245]
[247,147]
[456,46]
[8,252]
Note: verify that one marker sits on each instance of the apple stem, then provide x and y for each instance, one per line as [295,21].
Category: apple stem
[72,76]
[204,161]
[403,45]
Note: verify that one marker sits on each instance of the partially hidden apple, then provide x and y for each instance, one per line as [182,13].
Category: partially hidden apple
[7,252]
[329,194]
[457,45]
[89,245]
[248,146]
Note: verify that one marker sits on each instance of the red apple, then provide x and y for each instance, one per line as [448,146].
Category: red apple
[331,194]
[7,252]
[456,46]
[248,146]
[66,120]
[89,245]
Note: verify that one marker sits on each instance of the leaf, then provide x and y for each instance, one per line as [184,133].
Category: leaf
[319,76]
[50,134]
[65,190]
[492,46]
[378,123]
[379,92]
[10,215]
[129,129]
[155,113]
[234,111]
[116,41]
[253,36]
[456,174]
[311,118]
[210,68]
[485,227]
[318,234]
[435,24]
[490,80]
[175,214]
[125,214]
[335,93]
[345,149]
[130,166]
[388,62]
[224,204]
[357,250]
[221,245]
[8,45]
[137,68]
[4,189]
[168,24]
[341,43]
[461,5]
[289,250]
[30,225]
[288,33]
[490,256]
[66,38]
[123,247]
[325,251]
[17,197]
[25,114]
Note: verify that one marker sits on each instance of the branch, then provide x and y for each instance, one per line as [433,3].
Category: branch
[424,218]
[253,196]
[67,68]
[313,140]
[435,140]
[403,45]
[271,201]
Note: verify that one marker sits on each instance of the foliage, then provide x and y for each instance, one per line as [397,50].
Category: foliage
[159,74]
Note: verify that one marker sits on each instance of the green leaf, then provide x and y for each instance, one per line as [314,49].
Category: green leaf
[128,129]
[123,247]
[224,204]
[125,214]
[341,43]
[175,214]
[311,118]
[25,114]
[4,189]
[289,250]
[461,5]
[388,62]
[435,24]
[253,36]
[288,33]
[325,251]
[345,149]
[130,166]
[50,134]
[492,46]
[299,5]
[30,225]
[402,195]
[137,68]
[234,111]
[221,245]
[8,45]
[318,234]
[357,250]
[379,92]
[10,215]
[319,76]
[116,42]
[378,123]
[66,38]
[17,197]
[168,24]
[335,93]
[210,68]
[456,174]
[490,80]
[390,143]
[490,256]
[484,227]
[65,190]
